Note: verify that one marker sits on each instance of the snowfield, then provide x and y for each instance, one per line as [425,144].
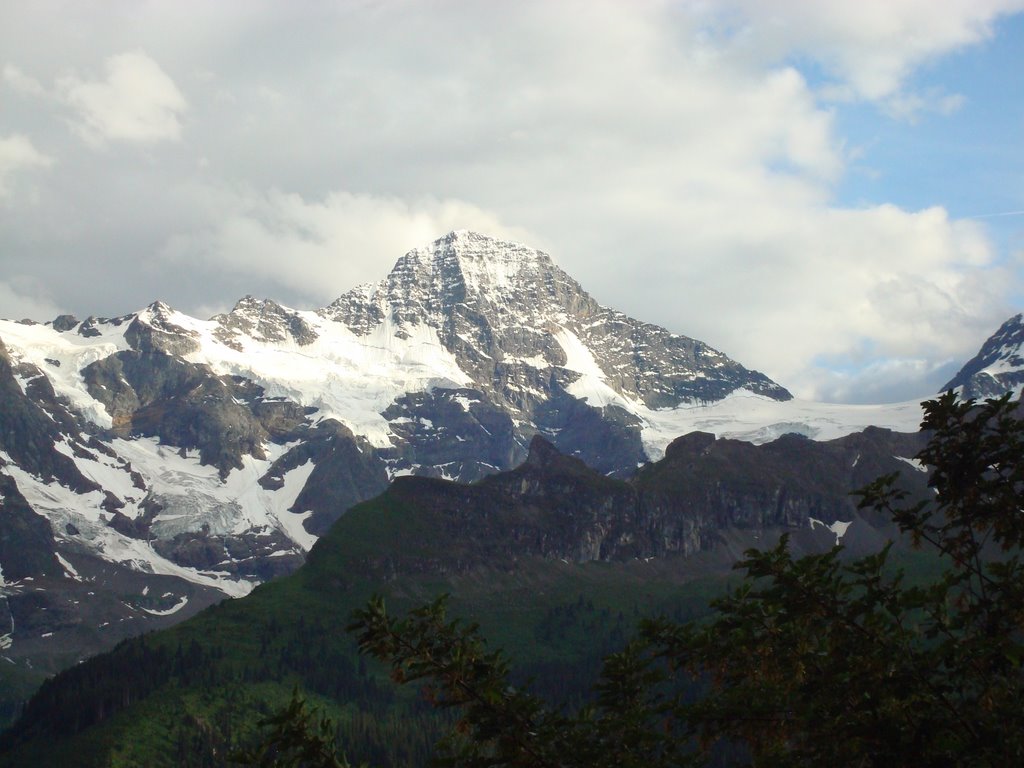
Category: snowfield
[351,362]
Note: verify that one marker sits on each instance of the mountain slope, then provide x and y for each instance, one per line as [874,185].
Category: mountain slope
[189,458]
[505,311]
[998,367]
[551,557]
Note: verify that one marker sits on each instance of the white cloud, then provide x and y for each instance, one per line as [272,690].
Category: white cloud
[847,304]
[22,297]
[136,102]
[872,46]
[681,159]
[320,248]
[17,153]
[887,380]
[21,83]
[801,293]
[911,106]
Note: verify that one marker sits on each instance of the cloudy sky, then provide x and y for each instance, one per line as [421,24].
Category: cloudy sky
[830,192]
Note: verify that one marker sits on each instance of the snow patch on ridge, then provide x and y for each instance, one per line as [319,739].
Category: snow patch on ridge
[1005,364]
[292,522]
[345,377]
[915,463]
[487,265]
[61,506]
[592,385]
[69,569]
[741,415]
[7,638]
[182,602]
[41,344]
[839,527]
[192,495]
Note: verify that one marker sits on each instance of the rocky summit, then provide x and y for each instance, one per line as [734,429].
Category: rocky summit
[154,462]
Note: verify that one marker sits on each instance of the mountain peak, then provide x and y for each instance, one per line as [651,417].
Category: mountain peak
[542,452]
[482,263]
[250,305]
[264,320]
[159,307]
[998,367]
[246,302]
[472,236]
[512,320]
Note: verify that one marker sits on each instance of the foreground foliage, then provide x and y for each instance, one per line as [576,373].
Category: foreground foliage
[811,661]
[297,737]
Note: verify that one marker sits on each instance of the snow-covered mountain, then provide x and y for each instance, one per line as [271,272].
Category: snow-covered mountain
[154,462]
[998,367]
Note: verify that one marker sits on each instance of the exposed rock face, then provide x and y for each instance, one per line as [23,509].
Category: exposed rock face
[507,312]
[998,367]
[29,435]
[608,440]
[219,450]
[704,485]
[154,331]
[264,320]
[457,434]
[346,470]
[156,394]
[64,322]
[257,554]
[555,507]
[26,542]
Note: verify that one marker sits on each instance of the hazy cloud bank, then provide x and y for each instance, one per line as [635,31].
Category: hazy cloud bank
[680,159]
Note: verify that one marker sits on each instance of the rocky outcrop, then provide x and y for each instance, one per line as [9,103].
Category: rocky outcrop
[184,404]
[554,507]
[153,331]
[998,367]
[704,485]
[346,470]
[264,320]
[26,541]
[263,554]
[504,310]
[457,434]
[64,322]
[29,435]
[606,439]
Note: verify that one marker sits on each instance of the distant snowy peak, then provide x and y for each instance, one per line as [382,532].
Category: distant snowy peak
[210,454]
[224,445]
[507,311]
[470,265]
[998,368]
[466,274]
[263,320]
